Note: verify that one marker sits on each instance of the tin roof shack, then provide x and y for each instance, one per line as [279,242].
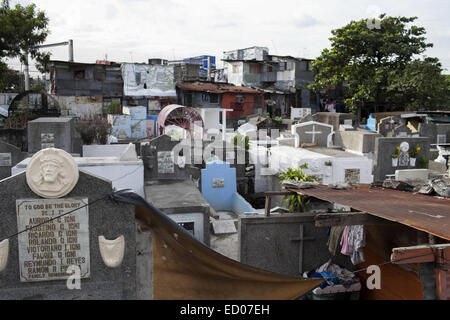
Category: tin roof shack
[151,85]
[82,88]
[242,100]
[407,235]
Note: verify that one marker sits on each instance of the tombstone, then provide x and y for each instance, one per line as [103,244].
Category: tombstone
[183,203]
[393,126]
[9,157]
[298,113]
[220,190]
[162,159]
[333,118]
[286,244]
[51,133]
[313,132]
[385,147]
[237,157]
[371,123]
[95,238]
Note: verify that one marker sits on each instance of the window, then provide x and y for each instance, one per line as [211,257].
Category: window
[78,74]
[308,65]
[137,78]
[235,68]
[269,69]
[255,68]
[213,98]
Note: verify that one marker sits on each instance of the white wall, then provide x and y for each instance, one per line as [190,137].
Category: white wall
[122,174]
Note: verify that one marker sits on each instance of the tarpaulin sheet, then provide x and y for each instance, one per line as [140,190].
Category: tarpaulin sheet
[186,269]
[148,80]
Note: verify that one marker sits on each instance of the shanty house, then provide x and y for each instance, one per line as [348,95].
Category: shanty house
[242,100]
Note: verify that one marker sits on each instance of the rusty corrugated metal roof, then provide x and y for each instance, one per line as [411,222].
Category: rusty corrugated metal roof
[214,87]
[421,212]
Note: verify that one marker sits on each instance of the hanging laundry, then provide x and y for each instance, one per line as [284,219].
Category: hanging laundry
[335,237]
[353,241]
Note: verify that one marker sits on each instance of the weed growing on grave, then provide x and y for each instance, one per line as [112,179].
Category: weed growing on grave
[240,140]
[296,202]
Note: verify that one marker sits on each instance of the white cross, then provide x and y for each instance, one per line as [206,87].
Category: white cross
[313,133]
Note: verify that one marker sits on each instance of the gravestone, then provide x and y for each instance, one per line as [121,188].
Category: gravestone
[165,158]
[51,133]
[237,157]
[386,147]
[393,126]
[313,133]
[9,157]
[183,203]
[219,188]
[41,259]
[285,244]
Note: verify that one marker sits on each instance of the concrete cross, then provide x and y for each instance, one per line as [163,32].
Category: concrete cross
[301,238]
[313,132]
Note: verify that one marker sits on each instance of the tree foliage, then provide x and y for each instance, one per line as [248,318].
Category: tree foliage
[371,62]
[22,29]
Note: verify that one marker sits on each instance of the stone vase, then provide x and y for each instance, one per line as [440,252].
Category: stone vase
[412,162]
[394,162]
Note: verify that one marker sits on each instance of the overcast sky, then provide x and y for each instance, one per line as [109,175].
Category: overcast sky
[135,30]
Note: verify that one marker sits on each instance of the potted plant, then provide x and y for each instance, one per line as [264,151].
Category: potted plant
[395,157]
[413,155]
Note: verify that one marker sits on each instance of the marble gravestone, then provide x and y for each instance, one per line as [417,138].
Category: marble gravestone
[98,239]
[9,156]
[51,133]
[313,132]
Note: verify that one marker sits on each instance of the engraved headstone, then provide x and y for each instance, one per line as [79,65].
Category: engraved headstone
[51,133]
[313,133]
[166,158]
[54,228]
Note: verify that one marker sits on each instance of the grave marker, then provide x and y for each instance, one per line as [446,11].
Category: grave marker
[43,245]
[312,132]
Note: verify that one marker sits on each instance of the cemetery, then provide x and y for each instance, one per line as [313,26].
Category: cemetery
[261,177]
[226,199]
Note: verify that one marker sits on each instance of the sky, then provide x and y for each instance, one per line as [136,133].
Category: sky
[136,30]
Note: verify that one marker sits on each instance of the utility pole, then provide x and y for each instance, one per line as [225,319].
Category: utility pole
[26,69]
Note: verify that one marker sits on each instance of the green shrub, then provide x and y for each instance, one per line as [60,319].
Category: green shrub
[296,202]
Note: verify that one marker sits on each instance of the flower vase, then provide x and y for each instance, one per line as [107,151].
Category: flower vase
[394,162]
[412,162]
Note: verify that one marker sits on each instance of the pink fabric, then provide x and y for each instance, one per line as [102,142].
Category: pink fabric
[344,242]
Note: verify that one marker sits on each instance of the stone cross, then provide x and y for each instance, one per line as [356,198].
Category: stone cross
[301,238]
[313,133]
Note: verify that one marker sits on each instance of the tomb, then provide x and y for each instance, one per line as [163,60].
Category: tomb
[314,133]
[51,133]
[41,260]
[9,156]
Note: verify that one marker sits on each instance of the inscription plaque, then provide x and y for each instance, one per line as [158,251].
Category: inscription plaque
[165,162]
[5,160]
[46,251]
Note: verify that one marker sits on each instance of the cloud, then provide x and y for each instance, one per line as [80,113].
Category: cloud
[305,21]
[177,29]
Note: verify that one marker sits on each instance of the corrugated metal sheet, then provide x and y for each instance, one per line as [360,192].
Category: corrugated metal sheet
[421,212]
[215,87]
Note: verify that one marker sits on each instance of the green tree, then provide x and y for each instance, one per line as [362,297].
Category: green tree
[420,85]
[364,58]
[22,29]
